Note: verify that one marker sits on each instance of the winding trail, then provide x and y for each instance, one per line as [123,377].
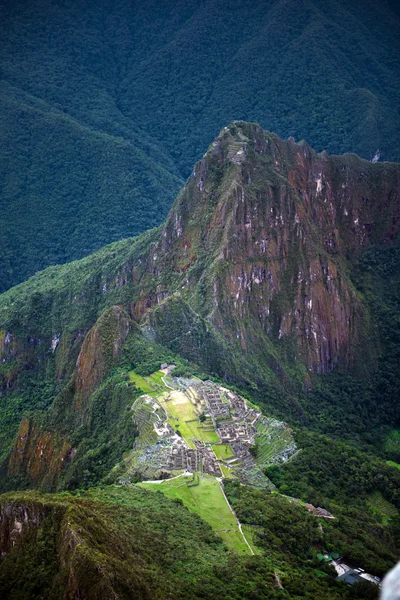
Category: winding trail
[234,514]
[166,384]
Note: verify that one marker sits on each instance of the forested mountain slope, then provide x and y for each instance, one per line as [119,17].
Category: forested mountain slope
[105,108]
[68,187]
[277,274]
[268,272]
[120,543]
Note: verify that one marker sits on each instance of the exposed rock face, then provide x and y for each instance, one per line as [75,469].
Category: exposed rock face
[250,274]
[258,244]
[15,520]
[39,455]
[267,227]
[100,349]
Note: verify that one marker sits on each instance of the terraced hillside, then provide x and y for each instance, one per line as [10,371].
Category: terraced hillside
[190,434]
[204,496]
[200,427]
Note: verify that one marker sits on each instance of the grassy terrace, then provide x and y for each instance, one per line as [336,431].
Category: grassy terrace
[226,471]
[205,499]
[385,508]
[152,385]
[392,443]
[391,463]
[184,416]
[222,451]
[270,442]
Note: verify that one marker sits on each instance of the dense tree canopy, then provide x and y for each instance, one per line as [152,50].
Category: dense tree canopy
[105,109]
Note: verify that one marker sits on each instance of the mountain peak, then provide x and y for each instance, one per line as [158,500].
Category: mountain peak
[264,226]
[251,277]
[253,266]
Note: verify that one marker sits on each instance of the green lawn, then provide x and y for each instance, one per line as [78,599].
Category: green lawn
[182,415]
[222,451]
[207,501]
[141,383]
[391,463]
[156,378]
[152,385]
[226,471]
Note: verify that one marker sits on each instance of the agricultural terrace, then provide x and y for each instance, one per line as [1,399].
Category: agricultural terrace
[203,496]
[391,463]
[193,433]
[153,385]
[382,506]
[184,410]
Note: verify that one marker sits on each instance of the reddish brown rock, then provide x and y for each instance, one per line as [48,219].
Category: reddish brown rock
[39,454]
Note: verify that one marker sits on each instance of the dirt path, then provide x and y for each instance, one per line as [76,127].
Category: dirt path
[185,473]
[234,514]
[166,384]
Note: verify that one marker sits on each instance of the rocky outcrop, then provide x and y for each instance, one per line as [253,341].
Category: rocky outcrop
[39,455]
[258,244]
[40,452]
[266,242]
[100,350]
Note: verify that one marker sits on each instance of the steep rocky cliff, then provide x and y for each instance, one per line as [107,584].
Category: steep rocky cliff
[100,350]
[44,447]
[251,277]
[261,240]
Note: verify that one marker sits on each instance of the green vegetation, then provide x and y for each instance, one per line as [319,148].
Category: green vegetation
[270,442]
[226,471]
[326,469]
[152,385]
[72,186]
[279,525]
[378,502]
[184,417]
[131,542]
[222,451]
[102,440]
[346,482]
[100,129]
[207,500]
[141,383]
[132,539]
[287,534]
[392,443]
[390,463]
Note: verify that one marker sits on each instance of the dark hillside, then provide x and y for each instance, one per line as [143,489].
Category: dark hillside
[68,188]
[119,543]
[105,108]
[277,270]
